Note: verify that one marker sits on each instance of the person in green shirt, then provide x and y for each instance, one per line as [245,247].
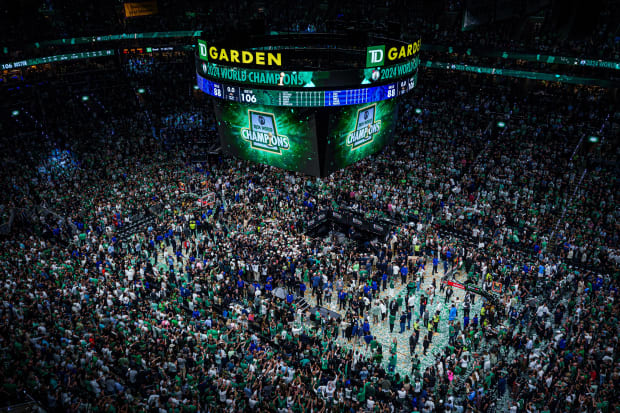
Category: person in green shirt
[392,321]
[411,287]
[392,363]
[393,346]
[399,302]
[488,380]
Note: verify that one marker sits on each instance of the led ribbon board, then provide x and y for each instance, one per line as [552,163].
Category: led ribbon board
[549,77]
[551,59]
[306,98]
[56,58]
[307,78]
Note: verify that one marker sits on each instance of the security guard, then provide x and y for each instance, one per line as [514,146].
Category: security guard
[192,226]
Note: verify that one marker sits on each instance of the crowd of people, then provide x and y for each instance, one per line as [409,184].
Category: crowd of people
[136,279]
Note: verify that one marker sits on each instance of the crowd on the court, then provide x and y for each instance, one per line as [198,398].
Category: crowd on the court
[184,312]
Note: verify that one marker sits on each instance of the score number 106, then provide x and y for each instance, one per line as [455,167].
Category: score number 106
[247,97]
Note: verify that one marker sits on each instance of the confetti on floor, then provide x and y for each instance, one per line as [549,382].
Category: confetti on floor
[382,329]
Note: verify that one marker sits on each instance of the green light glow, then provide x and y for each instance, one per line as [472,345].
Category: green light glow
[300,153]
[344,124]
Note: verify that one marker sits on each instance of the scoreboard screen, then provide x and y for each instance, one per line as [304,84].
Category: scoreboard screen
[359,96]
[276,136]
[306,98]
[311,103]
[322,79]
[358,131]
[278,127]
[311,98]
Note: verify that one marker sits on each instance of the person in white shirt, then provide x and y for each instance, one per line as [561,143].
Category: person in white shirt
[529,345]
[370,403]
[253,400]
[222,394]
[417,387]
[429,406]
[330,389]
[129,273]
[411,301]
[383,308]
[95,387]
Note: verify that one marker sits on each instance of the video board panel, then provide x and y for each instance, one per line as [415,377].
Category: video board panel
[358,131]
[276,136]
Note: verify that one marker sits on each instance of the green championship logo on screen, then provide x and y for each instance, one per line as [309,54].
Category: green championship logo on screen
[365,128]
[263,133]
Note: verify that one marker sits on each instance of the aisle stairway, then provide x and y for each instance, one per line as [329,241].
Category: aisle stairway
[301,303]
[137,224]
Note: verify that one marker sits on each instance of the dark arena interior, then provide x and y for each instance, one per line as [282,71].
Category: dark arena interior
[309,206]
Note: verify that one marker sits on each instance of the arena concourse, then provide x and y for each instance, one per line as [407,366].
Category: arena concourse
[143,269]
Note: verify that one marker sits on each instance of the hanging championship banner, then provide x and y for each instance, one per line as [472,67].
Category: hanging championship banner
[138,9]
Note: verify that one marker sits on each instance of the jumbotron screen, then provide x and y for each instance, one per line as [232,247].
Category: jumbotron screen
[358,131]
[301,103]
[276,136]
